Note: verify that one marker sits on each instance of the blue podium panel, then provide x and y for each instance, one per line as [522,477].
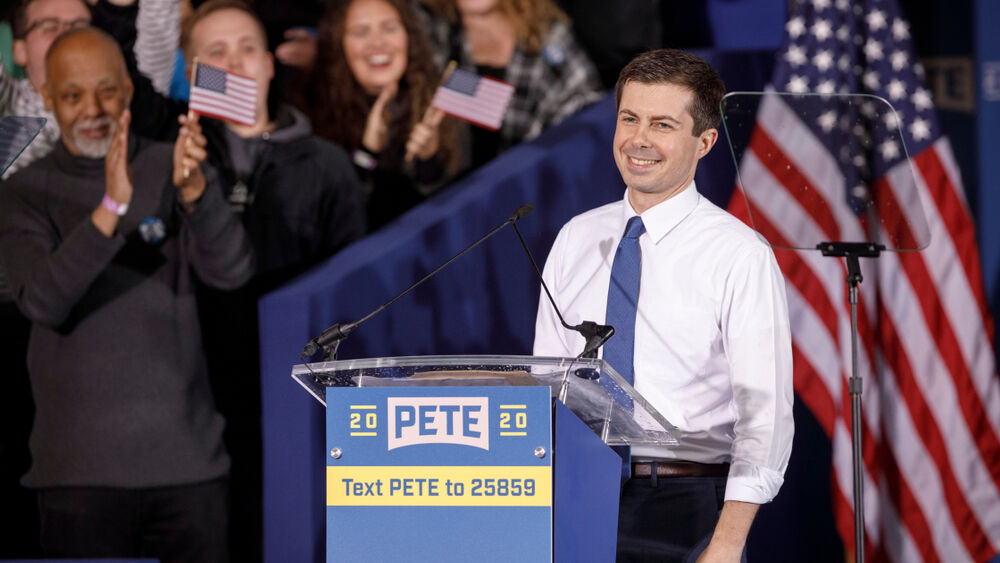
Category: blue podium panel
[439,474]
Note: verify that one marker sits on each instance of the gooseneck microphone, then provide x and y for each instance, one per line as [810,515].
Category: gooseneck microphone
[594,335]
[330,339]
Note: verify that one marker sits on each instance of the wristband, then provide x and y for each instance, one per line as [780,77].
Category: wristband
[364,159]
[113,206]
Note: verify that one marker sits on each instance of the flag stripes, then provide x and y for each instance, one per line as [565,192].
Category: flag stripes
[224,95]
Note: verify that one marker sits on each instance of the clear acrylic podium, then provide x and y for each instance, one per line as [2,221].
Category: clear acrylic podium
[403,434]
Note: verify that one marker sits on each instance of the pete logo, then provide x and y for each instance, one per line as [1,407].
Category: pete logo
[439,420]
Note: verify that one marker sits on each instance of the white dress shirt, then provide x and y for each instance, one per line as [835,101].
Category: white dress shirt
[712,342]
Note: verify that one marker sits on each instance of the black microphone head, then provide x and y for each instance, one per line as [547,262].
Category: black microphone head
[522,211]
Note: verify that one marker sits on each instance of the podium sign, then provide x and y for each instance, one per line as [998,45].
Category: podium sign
[442,473]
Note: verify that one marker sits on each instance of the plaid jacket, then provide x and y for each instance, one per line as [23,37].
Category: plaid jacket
[548,86]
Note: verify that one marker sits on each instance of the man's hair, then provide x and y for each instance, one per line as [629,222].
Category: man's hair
[211,7]
[19,19]
[673,66]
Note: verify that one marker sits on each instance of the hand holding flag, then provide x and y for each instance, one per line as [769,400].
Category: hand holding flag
[423,141]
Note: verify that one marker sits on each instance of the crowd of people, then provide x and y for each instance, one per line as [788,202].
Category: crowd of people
[136,236]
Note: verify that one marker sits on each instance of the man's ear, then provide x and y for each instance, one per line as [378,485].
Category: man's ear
[46,97]
[129,90]
[706,141]
[20,47]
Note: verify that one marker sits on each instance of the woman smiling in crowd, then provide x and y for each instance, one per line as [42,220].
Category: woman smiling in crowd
[372,88]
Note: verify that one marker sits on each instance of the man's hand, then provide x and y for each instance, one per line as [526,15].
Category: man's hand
[376,133]
[117,174]
[298,50]
[117,177]
[424,139]
[730,536]
[189,153]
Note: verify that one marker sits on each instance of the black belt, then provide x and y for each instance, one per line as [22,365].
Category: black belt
[679,469]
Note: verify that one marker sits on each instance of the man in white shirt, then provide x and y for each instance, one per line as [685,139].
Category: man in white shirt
[709,346]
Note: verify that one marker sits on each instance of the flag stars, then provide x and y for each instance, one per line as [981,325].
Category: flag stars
[826,87]
[827,121]
[900,29]
[920,129]
[891,120]
[822,29]
[871,80]
[845,123]
[798,84]
[821,4]
[795,27]
[844,63]
[845,154]
[889,149]
[873,50]
[842,4]
[843,33]
[922,99]
[876,20]
[823,60]
[796,56]
[897,89]
[899,60]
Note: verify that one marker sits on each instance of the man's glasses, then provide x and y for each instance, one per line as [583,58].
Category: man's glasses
[52,26]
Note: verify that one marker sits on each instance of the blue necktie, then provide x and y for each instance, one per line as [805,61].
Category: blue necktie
[623,300]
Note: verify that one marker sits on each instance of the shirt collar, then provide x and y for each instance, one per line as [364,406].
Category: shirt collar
[663,217]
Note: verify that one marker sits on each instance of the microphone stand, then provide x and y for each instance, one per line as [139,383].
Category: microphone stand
[329,340]
[594,334]
[851,251]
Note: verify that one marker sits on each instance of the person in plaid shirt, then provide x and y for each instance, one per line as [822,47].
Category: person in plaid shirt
[527,43]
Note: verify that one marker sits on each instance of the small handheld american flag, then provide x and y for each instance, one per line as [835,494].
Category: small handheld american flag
[479,100]
[224,95]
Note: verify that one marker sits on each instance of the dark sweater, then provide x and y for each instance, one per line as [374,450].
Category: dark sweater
[116,362]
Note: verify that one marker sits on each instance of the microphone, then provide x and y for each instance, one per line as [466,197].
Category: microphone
[330,338]
[594,335]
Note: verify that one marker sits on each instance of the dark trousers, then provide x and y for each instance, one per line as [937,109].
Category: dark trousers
[669,519]
[185,523]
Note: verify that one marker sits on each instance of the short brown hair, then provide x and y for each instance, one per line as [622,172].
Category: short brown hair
[681,68]
[211,7]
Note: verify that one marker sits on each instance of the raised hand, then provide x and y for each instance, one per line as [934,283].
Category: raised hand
[117,174]
[117,180]
[189,153]
[424,139]
[298,49]
[376,133]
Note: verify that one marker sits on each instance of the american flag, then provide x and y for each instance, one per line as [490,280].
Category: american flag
[931,401]
[479,100]
[224,95]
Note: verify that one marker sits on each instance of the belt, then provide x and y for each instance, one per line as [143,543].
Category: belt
[679,469]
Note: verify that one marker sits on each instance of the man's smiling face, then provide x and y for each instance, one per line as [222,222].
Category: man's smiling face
[654,148]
